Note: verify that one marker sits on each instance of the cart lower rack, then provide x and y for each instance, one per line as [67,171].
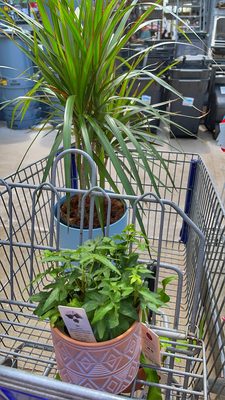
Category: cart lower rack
[191,330]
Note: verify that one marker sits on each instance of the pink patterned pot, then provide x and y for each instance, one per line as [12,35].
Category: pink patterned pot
[109,366]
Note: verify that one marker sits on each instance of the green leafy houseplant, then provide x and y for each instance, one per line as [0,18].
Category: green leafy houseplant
[78,54]
[104,277]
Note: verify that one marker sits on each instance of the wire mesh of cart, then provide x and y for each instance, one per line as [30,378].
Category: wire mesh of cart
[223,195]
[186,232]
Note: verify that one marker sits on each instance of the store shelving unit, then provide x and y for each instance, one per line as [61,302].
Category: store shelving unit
[193,13]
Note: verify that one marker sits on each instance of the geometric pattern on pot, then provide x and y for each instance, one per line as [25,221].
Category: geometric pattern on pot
[110,366]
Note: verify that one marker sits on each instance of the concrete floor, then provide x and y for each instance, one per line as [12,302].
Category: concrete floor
[13,145]
[210,152]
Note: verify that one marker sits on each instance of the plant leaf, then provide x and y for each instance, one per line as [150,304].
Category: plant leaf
[52,299]
[101,312]
[128,310]
[103,260]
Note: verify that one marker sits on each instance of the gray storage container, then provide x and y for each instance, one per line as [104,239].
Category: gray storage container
[1,111]
[27,122]
[11,56]
[11,89]
[17,82]
[48,109]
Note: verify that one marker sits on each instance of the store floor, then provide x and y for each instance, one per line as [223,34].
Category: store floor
[13,145]
[207,148]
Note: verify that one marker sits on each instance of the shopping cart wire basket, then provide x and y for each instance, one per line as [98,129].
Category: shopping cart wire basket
[191,329]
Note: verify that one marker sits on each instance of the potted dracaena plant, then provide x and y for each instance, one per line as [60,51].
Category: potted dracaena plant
[78,55]
[105,278]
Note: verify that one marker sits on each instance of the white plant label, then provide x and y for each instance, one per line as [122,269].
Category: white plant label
[77,323]
[222,89]
[150,345]
[221,138]
[188,101]
[146,99]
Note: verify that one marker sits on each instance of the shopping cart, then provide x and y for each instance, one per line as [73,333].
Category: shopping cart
[189,245]
[223,195]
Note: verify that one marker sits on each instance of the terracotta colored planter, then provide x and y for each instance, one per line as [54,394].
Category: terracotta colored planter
[109,366]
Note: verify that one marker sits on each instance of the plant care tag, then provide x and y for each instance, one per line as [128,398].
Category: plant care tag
[146,99]
[150,345]
[221,137]
[188,101]
[77,323]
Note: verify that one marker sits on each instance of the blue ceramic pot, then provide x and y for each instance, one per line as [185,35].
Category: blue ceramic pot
[69,237]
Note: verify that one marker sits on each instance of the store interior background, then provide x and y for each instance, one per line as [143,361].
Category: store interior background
[203,23]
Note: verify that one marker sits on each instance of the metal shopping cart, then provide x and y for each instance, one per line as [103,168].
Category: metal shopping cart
[189,245]
[223,195]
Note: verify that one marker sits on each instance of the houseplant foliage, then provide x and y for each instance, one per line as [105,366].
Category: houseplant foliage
[78,54]
[104,277]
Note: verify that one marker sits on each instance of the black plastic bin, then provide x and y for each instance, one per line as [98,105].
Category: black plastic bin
[160,57]
[197,44]
[192,81]
[216,105]
[154,94]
